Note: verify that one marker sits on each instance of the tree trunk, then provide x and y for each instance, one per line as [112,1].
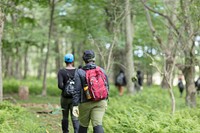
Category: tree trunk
[41,63]
[80,53]
[25,62]
[73,51]
[168,48]
[149,77]
[168,67]
[168,74]
[164,84]
[16,66]
[129,48]
[190,88]
[189,72]
[1,34]
[17,60]
[57,50]
[7,72]
[188,42]
[44,91]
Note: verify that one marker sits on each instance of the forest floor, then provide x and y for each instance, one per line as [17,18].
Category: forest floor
[51,121]
[46,109]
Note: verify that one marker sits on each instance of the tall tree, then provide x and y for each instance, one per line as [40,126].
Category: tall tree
[129,47]
[168,47]
[1,34]
[185,30]
[187,40]
[52,7]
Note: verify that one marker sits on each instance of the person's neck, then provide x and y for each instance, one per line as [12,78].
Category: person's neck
[70,67]
[90,62]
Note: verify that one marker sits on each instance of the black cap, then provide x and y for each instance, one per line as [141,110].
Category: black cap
[88,56]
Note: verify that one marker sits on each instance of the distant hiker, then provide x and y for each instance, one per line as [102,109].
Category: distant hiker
[120,81]
[90,104]
[137,87]
[66,84]
[140,79]
[197,85]
[180,86]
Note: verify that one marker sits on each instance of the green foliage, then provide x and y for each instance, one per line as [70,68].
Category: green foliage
[35,86]
[149,111]
[146,112]
[14,119]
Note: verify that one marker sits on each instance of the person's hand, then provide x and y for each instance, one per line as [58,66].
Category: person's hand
[75,111]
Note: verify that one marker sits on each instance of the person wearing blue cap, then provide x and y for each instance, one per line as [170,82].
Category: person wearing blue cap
[64,75]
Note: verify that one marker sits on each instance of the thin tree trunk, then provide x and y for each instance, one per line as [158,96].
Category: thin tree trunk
[80,52]
[110,55]
[168,67]
[169,49]
[7,66]
[57,50]
[41,64]
[17,63]
[73,51]
[25,62]
[173,101]
[16,66]
[129,48]
[17,46]
[1,34]
[168,74]
[149,77]
[44,91]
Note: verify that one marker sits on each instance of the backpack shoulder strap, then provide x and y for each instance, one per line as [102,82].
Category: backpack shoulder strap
[76,70]
[69,76]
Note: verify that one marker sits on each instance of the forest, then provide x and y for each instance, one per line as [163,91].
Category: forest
[160,38]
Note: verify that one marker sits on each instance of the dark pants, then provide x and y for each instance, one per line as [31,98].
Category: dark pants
[66,105]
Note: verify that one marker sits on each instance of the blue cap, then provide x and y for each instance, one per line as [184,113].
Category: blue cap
[69,58]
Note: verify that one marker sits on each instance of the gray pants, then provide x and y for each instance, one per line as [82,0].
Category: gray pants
[66,105]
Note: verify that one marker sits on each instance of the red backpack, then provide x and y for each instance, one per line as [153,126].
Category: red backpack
[96,81]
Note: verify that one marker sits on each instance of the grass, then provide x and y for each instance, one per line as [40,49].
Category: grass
[149,111]
[14,119]
[35,86]
[145,112]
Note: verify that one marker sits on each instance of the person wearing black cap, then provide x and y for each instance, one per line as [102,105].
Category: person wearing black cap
[87,109]
[66,100]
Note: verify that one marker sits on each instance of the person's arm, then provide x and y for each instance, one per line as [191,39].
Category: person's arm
[60,80]
[106,78]
[107,82]
[78,87]
[124,78]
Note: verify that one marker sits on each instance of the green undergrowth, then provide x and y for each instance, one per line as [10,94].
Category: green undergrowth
[15,119]
[146,112]
[35,86]
[150,112]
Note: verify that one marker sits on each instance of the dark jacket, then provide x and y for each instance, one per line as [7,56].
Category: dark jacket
[80,81]
[63,78]
[120,79]
[197,84]
[139,78]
